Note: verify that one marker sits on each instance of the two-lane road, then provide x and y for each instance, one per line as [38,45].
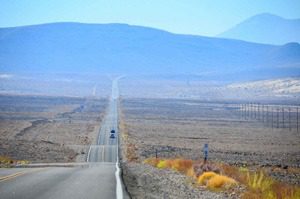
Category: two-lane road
[106,149]
[54,183]
[98,178]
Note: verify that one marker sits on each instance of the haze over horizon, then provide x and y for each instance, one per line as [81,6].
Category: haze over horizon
[207,18]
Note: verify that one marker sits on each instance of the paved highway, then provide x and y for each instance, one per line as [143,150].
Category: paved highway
[106,148]
[98,178]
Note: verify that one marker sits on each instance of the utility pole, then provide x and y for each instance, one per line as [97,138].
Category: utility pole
[243,105]
[272,117]
[245,111]
[248,113]
[241,110]
[290,125]
[297,121]
[277,117]
[282,117]
[259,117]
[263,113]
[251,112]
[255,111]
[267,118]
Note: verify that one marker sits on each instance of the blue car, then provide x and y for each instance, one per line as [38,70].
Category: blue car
[112,136]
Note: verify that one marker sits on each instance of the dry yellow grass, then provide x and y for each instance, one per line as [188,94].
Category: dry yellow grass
[210,179]
[163,164]
[258,184]
[215,181]
[190,172]
[181,165]
[152,161]
[206,176]
[5,160]
[220,181]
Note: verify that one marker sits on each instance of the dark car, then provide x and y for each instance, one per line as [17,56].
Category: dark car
[112,136]
[112,131]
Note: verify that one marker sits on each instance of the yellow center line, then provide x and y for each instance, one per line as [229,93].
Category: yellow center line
[11,176]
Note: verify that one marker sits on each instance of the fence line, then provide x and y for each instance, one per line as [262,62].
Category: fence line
[275,116]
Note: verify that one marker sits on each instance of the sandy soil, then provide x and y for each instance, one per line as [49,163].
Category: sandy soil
[180,128]
[48,129]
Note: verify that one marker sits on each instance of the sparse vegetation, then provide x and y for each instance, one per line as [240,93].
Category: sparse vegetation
[210,179]
[48,129]
[6,161]
[262,186]
[171,129]
[258,184]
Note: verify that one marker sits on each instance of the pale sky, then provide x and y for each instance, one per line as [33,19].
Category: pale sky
[198,17]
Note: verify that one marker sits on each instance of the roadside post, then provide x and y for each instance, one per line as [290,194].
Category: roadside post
[205,151]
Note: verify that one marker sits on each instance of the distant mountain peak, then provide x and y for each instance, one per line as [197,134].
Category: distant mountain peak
[267,15]
[265,28]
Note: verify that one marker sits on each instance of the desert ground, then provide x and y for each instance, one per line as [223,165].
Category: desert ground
[48,129]
[177,128]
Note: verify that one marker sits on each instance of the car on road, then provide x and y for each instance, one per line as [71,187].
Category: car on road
[112,131]
[112,136]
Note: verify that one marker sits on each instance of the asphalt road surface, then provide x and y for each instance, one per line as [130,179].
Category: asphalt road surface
[94,179]
[106,149]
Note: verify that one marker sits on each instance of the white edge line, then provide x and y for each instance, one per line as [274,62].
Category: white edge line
[119,190]
[88,156]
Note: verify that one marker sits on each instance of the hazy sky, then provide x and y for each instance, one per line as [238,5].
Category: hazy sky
[201,17]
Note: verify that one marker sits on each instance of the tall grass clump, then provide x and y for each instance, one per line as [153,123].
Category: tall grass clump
[210,179]
[259,185]
[262,186]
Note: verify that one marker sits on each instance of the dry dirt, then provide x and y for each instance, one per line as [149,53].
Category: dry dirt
[48,129]
[180,128]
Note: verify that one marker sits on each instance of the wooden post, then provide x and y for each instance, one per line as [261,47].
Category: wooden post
[205,150]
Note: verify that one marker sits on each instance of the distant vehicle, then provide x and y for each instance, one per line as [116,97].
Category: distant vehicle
[112,131]
[112,136]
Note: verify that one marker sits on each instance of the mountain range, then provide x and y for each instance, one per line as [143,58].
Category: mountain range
[265,28]
[121,48]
